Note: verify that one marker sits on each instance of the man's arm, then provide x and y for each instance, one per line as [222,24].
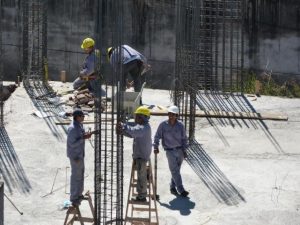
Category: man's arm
[88,67]
[134,131]
[157,137]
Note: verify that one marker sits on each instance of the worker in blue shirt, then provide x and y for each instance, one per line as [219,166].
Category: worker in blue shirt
[134,63]
[140,131]
[87,75]
[174,141]
[75,152]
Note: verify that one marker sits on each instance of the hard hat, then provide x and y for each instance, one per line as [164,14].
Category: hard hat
[143,111]
[77,112]
[173,109]
[109,51]
[87,43]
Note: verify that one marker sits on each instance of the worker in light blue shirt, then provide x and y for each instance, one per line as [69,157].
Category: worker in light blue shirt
[75,152]
[174,141]
[87,75]
[133,62]
[140,131]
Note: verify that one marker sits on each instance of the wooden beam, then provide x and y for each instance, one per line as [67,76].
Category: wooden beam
[233,115]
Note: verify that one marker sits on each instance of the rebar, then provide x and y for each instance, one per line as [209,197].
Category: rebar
[108,144]
[1,71]
[209,51]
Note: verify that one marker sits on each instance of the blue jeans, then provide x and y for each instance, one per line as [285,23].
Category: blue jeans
[77,179]
[175,158]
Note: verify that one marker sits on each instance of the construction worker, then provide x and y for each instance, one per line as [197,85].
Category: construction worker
[75,152]
[174,142]
[134,63]
[140,131]
[87,75]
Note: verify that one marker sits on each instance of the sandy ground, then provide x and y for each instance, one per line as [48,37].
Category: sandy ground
[249,173]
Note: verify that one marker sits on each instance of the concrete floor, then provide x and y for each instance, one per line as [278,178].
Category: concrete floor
[246,172]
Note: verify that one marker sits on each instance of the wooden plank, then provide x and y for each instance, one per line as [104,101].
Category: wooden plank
[67,122]
[233,115]
[143,209]
[138,202]
[137,219]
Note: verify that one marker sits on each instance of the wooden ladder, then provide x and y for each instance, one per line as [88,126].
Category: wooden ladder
[141,213]
[75,214]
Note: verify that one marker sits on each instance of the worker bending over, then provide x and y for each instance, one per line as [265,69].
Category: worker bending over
[133,62]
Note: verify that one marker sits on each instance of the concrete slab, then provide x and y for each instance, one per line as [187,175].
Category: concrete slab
[249,173]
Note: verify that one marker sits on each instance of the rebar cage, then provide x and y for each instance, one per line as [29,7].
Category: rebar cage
[209,51]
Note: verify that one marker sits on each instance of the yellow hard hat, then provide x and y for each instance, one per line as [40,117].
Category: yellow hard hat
[87,43]
[143,111]
[108,51]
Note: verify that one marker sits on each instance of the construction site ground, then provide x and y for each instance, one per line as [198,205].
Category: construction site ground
[259,159]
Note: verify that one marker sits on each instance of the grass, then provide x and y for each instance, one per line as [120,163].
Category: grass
[265,85]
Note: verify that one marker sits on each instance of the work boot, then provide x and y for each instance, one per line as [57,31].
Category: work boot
[76,203]
[173,191]
[184,193]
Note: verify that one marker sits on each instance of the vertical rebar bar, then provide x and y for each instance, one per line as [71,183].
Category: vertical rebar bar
[1,75]
[109,145]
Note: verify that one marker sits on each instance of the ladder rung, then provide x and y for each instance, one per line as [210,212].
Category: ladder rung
[143,209]
[135,185]
[84,219]
[138,202]
[137,219]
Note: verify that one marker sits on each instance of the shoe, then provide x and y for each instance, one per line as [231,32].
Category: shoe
[184,193]
[75,203]
[173,191]
[139,199]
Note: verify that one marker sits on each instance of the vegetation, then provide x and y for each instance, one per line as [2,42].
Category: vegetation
[265,85]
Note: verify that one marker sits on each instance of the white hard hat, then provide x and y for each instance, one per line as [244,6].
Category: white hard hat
[173,109]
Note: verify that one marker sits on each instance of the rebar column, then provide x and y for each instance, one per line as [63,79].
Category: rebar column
[1,73]
[109,144]
[1,203]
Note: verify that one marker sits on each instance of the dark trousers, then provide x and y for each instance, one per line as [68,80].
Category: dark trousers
[134,69]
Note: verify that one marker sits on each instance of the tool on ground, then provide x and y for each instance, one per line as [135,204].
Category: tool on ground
[52,184]
[141,212]
[21,213]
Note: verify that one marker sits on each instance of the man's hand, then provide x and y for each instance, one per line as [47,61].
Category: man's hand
[87,135]
[129,84]
[156,151]
[185,154]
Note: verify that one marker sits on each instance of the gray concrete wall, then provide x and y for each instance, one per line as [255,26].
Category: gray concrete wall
[272,36]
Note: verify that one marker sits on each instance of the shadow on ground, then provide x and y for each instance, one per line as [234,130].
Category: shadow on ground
[46,101]
[221,102]
[214,179]
[183,205]
[11,169]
